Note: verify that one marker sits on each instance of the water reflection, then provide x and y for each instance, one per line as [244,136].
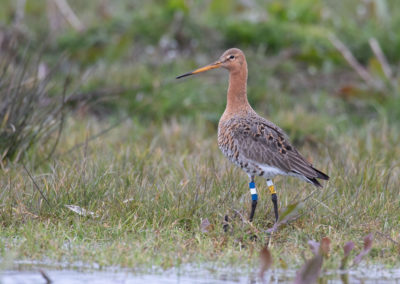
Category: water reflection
[367,275]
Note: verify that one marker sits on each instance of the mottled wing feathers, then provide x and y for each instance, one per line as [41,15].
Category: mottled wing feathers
[261,141]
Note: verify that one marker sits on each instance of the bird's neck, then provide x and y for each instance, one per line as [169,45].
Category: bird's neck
[237,91]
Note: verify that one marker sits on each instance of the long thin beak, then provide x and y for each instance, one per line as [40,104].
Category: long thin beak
[202,69]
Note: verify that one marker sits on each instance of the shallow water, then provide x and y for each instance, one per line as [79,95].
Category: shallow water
[29,272]
[71,276]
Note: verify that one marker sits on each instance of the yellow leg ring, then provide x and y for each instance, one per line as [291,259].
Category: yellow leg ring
[271,189]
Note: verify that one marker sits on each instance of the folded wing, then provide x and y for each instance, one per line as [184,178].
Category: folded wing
[263,142]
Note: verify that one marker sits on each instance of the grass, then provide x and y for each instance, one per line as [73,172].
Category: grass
[28,113]
[174,176]
[153,178]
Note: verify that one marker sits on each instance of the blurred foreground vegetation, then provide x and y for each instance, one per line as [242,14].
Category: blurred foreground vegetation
[91,115]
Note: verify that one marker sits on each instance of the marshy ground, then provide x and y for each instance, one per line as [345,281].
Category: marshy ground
[150,187]
[139,149]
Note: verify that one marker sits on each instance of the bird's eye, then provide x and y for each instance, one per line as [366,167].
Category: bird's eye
[232,57]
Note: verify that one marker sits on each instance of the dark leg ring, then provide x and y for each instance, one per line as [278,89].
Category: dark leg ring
[274,198]
[254,198]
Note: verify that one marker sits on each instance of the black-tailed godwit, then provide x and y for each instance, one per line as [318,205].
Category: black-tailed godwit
[251,142]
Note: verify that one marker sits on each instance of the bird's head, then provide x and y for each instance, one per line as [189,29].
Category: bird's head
[233,59]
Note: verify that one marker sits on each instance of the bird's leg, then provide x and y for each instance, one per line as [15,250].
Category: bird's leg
[254,197]
[274,197]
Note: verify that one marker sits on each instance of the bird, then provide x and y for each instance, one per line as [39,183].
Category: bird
[251,142]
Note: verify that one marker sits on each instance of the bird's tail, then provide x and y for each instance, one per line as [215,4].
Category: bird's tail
[320,175]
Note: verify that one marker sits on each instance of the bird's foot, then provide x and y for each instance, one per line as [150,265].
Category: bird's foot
[225,225]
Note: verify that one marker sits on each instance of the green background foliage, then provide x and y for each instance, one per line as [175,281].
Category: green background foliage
[130,131]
